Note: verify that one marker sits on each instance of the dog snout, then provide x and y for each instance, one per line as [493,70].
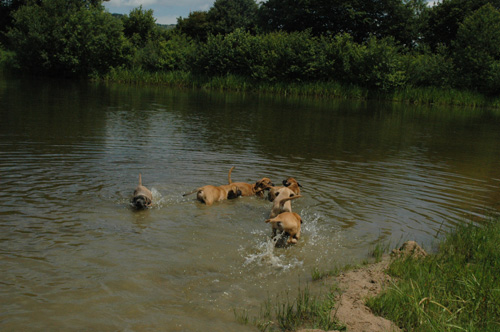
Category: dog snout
[139,203]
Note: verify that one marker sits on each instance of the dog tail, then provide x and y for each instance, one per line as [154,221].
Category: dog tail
[140,179]
[282,202]
[191,192]
[229,176]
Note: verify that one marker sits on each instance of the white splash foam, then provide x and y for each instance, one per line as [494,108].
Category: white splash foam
[268,255]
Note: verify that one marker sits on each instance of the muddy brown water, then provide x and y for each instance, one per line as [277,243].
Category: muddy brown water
[74,256]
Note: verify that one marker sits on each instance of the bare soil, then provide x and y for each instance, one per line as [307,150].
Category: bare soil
[359,284]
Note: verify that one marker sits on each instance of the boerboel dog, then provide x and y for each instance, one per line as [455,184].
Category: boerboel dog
[282,202]
[289,223]
[142,197]
[210,194]
[289,183]
[248,189]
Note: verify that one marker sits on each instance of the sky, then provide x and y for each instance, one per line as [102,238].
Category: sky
[165,11]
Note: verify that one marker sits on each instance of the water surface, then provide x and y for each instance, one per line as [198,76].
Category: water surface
[73,255]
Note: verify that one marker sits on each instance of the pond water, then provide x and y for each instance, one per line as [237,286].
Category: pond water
[74,255]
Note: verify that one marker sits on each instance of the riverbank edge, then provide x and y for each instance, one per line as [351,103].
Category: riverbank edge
[413,290]
[330,89]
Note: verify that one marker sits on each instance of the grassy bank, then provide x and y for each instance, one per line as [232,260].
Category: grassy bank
[457,289]
[414,95]
[286,313]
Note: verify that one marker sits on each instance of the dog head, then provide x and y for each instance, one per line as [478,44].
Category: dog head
[273,193]
[141,202]
[233,193]
[291,181]
[261,185]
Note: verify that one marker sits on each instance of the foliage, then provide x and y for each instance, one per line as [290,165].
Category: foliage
[140,26]
[169,54]
[66,38]
[425,68]
[226,16]
[360,18]
[387,46]
[443,19]
[477,50]
[456,289]
[195,26]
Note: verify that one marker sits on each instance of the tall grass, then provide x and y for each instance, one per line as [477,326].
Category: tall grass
[457,289]
[320,89]
[287,313]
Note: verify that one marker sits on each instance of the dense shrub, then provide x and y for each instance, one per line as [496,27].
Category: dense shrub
[477,51]
[425,68]
[66,38]
[168,54]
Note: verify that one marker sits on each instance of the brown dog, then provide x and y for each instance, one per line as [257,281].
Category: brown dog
[289,223]
[289,183]
[142,198]
[248,189]
[210,194]
[282,202]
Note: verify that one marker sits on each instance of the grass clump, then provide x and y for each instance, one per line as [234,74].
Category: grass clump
[289,314]
[457,289]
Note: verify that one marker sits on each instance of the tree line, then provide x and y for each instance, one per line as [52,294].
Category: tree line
[376,44]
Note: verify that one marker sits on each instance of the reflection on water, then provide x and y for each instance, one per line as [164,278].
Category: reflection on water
[73,253]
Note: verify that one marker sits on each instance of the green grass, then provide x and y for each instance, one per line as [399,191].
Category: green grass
[414,95]
[287,313]
[457,289]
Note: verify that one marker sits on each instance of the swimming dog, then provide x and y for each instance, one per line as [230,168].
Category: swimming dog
[248,189]
[289,223]
[142,197]
[210,194]
[282,202]
[289,183]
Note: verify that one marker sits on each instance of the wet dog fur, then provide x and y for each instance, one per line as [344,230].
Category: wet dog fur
[282,202]
[289,183]
[210,194]
[248,189]
[142,197]
[289,223]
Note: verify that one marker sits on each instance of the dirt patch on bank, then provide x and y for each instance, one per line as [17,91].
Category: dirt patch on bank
[356,286]
[359,284]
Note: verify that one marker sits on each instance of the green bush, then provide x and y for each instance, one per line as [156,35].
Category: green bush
[430,69]
[164,55]
[477,51]
[281,56]
[66,38]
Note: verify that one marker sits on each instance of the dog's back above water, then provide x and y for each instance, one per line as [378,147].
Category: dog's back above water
[142,198]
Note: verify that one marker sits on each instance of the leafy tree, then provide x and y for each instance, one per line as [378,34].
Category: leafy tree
[360,18]
[477,50]
[66,38]
[226,16]
[195,25]
[442,20]
[140,26]
[7,7]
